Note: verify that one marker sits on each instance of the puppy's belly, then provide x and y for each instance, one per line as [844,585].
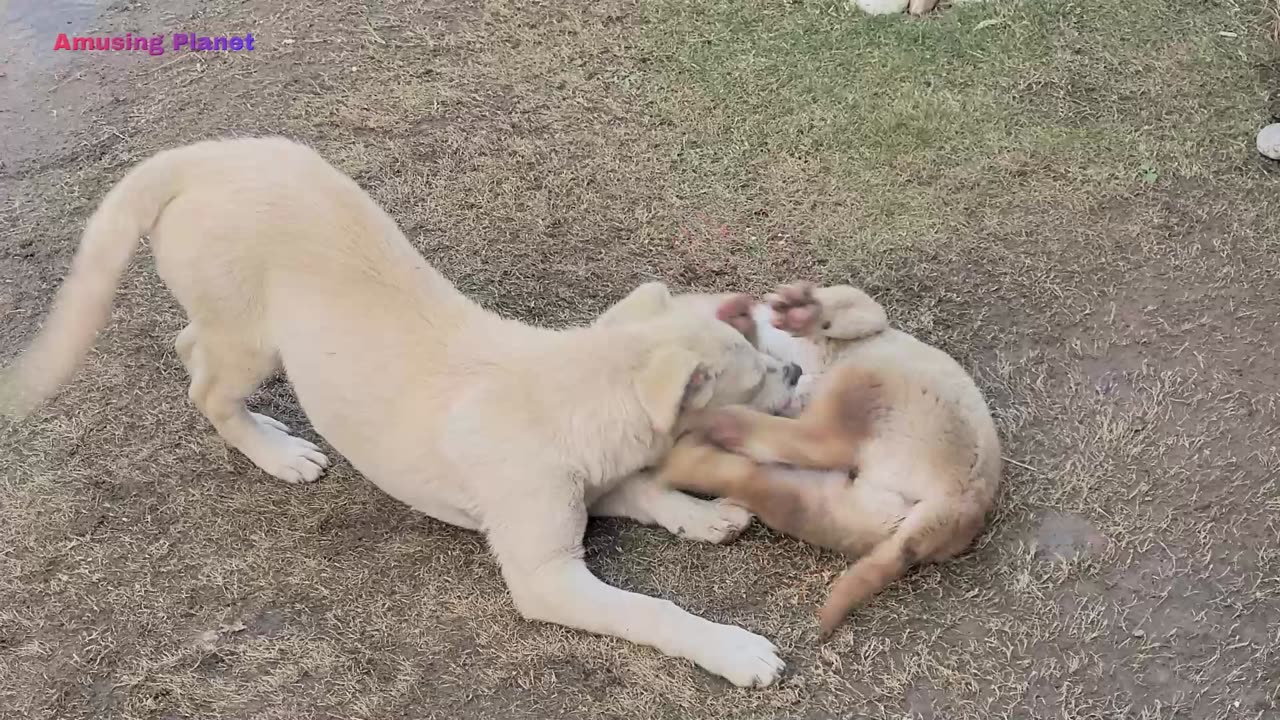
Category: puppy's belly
[429,500]
[408,470]
[418,479]
[834,512]
[361,405]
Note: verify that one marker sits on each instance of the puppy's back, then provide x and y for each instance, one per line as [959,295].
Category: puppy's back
[930,441]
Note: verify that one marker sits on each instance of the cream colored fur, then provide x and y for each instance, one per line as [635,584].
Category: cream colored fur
[281,261]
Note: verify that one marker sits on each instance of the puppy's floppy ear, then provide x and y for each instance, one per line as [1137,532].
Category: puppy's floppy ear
[647,301]
[672,380]
[736,311]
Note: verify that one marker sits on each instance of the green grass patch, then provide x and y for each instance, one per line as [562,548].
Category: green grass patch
[888,120]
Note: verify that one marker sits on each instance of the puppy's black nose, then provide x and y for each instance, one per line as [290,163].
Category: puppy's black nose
[791,373]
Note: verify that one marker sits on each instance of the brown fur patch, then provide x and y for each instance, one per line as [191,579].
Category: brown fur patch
[697,466]
[779,505]
[857,404]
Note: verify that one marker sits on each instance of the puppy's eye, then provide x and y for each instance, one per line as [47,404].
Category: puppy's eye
[826,325]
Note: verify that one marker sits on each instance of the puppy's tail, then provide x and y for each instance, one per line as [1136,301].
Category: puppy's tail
[934,529]
[83,303]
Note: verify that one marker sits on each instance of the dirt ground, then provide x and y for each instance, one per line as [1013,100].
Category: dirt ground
[1063,195]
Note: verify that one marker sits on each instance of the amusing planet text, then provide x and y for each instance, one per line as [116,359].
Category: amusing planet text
[155,44]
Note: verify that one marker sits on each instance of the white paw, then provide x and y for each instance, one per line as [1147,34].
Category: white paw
[286,457]
[739,656]
[716,521]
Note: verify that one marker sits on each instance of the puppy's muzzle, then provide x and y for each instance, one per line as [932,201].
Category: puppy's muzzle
[791,374]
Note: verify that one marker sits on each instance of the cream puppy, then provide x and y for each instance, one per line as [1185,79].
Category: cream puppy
[282,261]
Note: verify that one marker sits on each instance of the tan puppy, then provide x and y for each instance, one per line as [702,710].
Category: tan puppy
[902,415]
[280,260]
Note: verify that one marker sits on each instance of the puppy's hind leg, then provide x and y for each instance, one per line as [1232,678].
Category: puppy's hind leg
[223,373]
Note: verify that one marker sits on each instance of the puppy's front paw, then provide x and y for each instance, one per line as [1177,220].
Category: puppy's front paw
[718,522]
[795,308]
[285,456]
[740,656]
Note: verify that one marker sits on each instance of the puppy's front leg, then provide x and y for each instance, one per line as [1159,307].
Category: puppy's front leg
[803,442]
[642,498]
[785,506]
[697,466]
[537,539]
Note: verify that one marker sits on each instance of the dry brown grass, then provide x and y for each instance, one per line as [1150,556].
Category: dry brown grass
[1065,199]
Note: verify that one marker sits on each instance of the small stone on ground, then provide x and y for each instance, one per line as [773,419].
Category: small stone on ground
[1269,141]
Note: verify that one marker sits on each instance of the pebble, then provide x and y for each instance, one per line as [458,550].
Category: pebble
[1269,141]
[882,7]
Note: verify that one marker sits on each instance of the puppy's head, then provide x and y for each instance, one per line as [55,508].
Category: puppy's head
[699,360]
